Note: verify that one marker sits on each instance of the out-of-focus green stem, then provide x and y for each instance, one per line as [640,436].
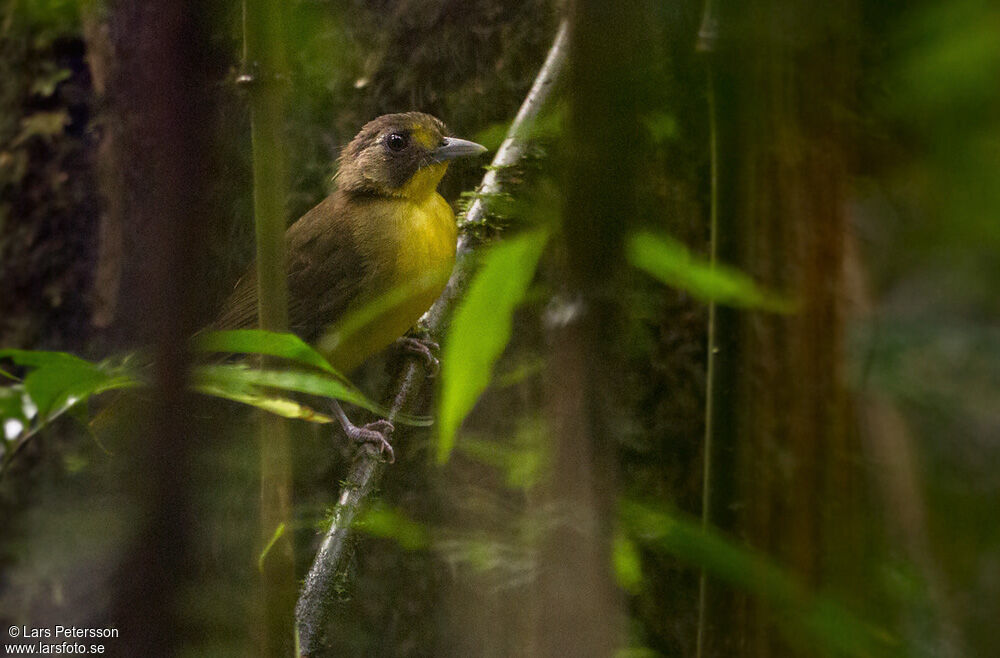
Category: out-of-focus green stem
[265,78]
[710,367]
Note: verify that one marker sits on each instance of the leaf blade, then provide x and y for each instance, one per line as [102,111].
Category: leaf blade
[481,329]
[672,263]
[257,341]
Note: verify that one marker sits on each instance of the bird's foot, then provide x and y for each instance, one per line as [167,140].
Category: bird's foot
[376,433]
[422,348]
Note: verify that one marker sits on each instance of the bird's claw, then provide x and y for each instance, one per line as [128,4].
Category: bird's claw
[375,433]
[424,349]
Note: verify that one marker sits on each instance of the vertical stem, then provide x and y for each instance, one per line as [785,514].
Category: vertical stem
[712,349]
[716,634]
[265,76]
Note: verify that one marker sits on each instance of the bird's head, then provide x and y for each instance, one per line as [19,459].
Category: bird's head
[400,155]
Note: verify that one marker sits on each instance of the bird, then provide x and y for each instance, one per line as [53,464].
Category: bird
[384,227]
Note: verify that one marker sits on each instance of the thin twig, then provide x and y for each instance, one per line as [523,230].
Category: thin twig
[316,598]
[708,35]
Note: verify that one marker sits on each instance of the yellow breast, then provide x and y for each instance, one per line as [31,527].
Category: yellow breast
[411,244]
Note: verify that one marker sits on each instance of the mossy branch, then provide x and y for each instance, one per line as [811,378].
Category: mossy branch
[317,596]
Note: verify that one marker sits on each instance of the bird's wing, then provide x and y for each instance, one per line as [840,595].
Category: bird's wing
[325,273]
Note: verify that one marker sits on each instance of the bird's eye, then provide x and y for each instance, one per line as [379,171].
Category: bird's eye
[397,141]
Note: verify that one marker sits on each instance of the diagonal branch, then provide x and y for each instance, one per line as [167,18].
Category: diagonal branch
[316,597]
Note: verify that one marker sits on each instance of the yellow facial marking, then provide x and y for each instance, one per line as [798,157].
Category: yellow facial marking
[424,137]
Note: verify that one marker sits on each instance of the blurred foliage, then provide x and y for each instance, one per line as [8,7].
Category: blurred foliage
[57,382]
[821,625]
[673,264]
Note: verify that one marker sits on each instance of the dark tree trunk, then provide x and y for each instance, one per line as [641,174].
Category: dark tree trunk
[786,474]
[152,64]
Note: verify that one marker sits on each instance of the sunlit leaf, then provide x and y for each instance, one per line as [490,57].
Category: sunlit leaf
[243,383]
[481,329]
[672,263]
[278,534]
[256,341]
[275,404]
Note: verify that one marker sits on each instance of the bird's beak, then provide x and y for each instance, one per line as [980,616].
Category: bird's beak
[453,147]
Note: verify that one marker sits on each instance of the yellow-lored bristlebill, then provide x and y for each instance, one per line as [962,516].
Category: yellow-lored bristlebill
[383,227]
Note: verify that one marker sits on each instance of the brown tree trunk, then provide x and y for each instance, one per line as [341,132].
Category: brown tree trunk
[788,479]
[150,62]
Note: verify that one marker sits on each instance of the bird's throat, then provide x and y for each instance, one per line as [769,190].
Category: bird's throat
[424,183]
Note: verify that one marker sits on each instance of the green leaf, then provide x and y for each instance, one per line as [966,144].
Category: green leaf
[821,619]
[275,404]
[481,329]
[627,563]
[16,411]
[40,358]
[388,523]
[661,127]
[242,383]
[672,263]
[278,534]
[257,341]
[361,319]
[60,381]
[45,84]
[42,124]
[548,125]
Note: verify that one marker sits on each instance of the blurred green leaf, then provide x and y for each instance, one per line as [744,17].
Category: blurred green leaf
[362,318]
[481,329]
[257,341]
[278,534]
[388,523]
[672,263]
[45,85]
[548,124]
[16,411]
[662,127]
[522,463]
[249,385]
[275,404]
[42,124]
[637,652]
[821,619]
[60,380]
[627,563]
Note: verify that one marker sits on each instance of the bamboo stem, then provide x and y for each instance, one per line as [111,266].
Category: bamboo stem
[264,76]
